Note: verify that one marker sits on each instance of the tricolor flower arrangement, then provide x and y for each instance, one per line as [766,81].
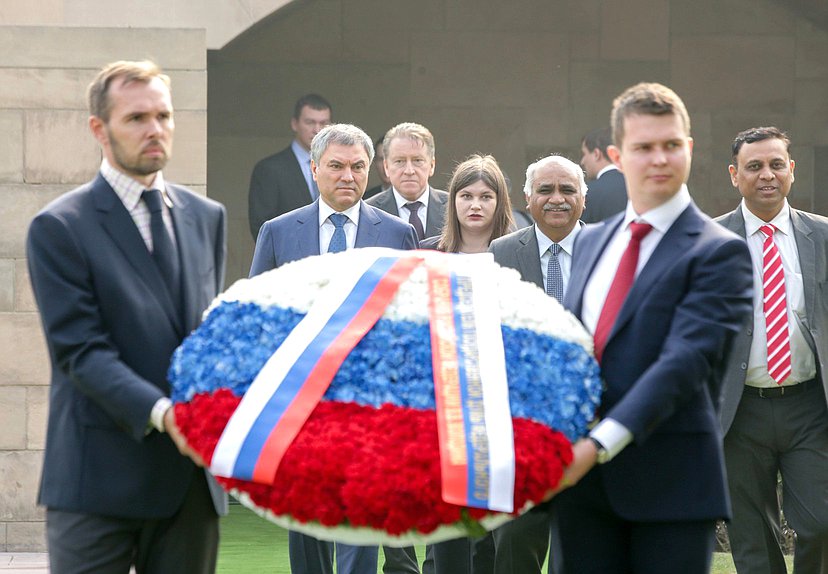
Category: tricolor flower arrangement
[379,396]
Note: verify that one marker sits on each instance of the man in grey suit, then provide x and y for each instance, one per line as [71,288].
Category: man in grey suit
[122,269]
[774,397]
[409,162]
[341,157]
[607,188]
[542,253]
[283,181]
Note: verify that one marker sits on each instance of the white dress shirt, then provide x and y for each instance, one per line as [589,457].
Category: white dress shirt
[803,362]
[327,228]
[564,256]
[610,433]
[405,213]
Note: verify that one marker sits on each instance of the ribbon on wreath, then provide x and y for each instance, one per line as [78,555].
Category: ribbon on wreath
[474,420]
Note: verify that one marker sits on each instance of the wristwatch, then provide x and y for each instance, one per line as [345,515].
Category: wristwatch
[603,454]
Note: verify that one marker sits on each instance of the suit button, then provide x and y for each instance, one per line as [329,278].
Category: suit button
[743,366]
[750,332]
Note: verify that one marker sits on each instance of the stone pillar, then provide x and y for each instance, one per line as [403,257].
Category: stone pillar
[45,150]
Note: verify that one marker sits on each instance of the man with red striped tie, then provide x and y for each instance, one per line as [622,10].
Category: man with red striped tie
[774,403]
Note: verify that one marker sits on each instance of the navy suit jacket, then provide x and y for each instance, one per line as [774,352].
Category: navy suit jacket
[606,196]
[295,235]
[111,328]
[435,216]
[662,366]
[277,185]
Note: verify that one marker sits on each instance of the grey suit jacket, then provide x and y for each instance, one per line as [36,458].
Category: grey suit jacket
[295,235]
[519,250]
[435,217]
[811,235]
[277,185]
[111,327]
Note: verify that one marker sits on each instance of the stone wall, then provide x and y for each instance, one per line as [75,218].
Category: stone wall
[45,150]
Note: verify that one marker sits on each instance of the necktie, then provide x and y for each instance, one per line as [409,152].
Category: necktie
[554,277]
[163,250]
[414,219]
[314,189]
[338,243]
[621,284]
[776,308]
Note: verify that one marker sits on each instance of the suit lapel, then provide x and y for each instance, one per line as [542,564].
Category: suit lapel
[528,257]
[368,229]
[436,214]
[306,240]
[118,223]
[677,241]
[807,260]
[587,252]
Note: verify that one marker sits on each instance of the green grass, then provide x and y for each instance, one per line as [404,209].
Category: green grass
[252,545]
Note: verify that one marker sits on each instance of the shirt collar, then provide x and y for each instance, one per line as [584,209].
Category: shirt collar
[782,220]
[401,201]
[663,216]
[302,155]
[606,168]
[130,190]
[325,210]
[566,243]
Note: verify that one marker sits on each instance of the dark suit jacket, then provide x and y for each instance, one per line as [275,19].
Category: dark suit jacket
[662,366]
[295,235]
[111,328]
[811,235]
[277,185]
[435,216]
[606,196]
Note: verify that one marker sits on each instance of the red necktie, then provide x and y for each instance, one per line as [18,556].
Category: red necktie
[776,309]
[621,284]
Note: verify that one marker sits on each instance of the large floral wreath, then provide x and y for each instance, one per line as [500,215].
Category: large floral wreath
[365,466]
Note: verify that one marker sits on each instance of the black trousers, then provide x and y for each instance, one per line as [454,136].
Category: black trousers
[89,543]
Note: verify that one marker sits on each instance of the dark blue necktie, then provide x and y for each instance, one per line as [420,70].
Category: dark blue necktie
[163,250]
[338,243]
[554,276]
[414,219]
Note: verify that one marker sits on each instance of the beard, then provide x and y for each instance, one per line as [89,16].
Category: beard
[137,164]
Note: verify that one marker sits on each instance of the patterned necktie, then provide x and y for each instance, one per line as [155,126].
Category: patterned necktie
[621,284]
[554,277]
[338,243]
[414,219]
[163,250]
[776,308]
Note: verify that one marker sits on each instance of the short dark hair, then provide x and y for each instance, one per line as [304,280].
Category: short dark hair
[97,93]
[649,99]
[600,139]
[313,101]
[753,135]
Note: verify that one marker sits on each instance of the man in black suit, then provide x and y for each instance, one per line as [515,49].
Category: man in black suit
[664,290]
[122,269]
[283,181]
[774,400]
[409,162]
[607,190]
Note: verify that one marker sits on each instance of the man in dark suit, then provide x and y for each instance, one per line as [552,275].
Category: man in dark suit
[663,289]
[555,190]
[379,168]
[121,275]
[409,162]
[283,181]
[607,193]
[338,220]
[774,399]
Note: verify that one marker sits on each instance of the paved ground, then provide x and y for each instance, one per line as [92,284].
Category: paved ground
[24,563]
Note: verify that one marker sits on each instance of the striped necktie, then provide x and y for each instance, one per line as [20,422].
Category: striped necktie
[776,308]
